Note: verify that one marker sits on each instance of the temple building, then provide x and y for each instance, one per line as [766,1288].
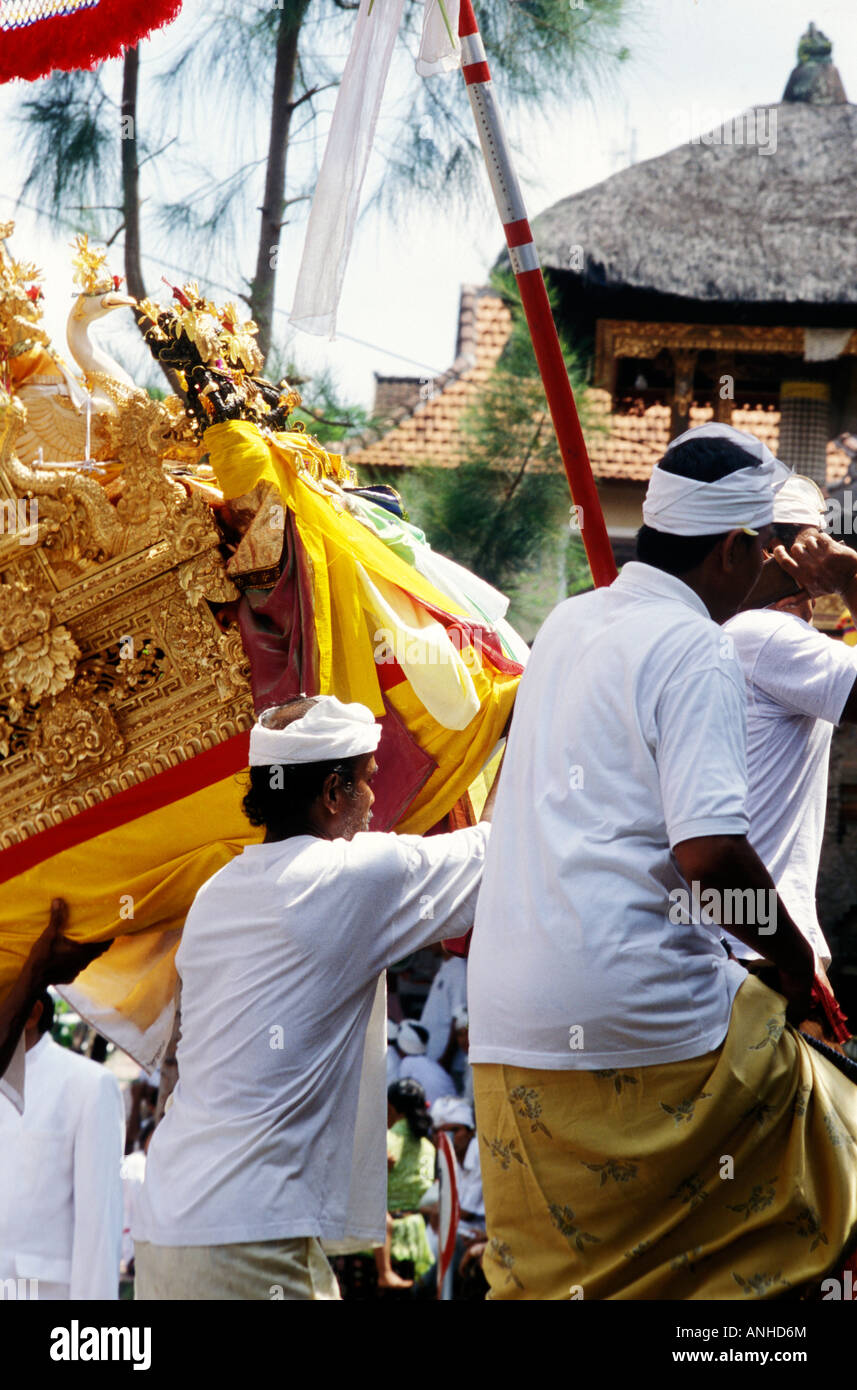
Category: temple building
[724,273]
[717,281]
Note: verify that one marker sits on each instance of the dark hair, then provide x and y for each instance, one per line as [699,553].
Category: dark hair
[706,460]
[46,1021]
[787,532]
[408,1097]
[280,797]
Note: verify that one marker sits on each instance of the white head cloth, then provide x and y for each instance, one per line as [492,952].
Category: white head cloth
[451,1110]
[800,502]
[329,730]
[412,1038]
[686,507]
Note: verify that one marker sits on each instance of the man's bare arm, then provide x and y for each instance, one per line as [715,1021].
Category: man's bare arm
[491,798]
[725,862]
[53,960]
[821,565]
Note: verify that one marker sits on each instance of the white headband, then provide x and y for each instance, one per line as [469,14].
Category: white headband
[450,1110]
[410,1039]
[329,730]
[686,507]
[800,502]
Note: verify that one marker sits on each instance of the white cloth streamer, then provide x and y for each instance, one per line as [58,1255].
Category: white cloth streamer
[327,731]
[337,194]
[824,344]
[687,507]
[440,50]
[336,201]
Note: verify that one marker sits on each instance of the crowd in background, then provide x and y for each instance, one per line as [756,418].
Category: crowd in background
[430,1092]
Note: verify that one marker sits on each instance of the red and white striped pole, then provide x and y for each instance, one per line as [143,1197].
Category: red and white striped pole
[534,296]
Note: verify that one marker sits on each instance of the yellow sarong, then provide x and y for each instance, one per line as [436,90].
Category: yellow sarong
[729,1176]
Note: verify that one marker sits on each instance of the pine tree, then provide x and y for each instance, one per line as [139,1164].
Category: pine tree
[507,504]
[132,148]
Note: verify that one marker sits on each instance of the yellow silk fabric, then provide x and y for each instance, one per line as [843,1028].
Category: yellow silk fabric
[336,545]
[361,588]
[729,1176]
[135,882]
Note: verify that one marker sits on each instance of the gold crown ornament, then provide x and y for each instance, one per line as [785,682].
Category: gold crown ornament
[90,268]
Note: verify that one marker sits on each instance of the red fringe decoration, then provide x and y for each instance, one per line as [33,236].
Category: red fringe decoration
[837,1022]
[82,39]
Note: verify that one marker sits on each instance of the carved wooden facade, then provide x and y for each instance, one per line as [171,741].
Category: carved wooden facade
[616,338]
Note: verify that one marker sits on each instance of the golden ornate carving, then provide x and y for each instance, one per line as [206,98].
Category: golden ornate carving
[75,729]
[615,338]
[41,665]
[113,666]
[23,614]
[230,667]
[204,577]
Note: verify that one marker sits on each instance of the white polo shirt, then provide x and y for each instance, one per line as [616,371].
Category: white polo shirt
[628,737]
[798,681]
[277,1124]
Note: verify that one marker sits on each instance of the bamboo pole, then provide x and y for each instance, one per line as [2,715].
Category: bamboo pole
[534,297]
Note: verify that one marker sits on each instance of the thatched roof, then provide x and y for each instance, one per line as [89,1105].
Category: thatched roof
[721,221]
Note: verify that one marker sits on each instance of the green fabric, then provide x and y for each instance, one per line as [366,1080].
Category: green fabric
[398,534]
[407,1183]
[410,1242]
[413,1174]
[406,541]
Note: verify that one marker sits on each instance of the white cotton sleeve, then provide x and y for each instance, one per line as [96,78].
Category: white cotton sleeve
[805,671]
[701,755]
[437,880]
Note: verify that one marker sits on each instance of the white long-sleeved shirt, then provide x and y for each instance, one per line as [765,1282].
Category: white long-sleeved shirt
[60,1184]
[277,1125]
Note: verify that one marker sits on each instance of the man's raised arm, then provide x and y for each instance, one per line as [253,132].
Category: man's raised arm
[821,565]
[53,960]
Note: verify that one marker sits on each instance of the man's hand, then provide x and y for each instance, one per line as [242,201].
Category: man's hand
[797,990]
[819,564]
[53,960]
[474,1252]
[58,960]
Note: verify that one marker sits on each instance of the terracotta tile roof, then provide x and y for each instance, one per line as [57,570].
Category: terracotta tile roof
[426,431]
[395,395]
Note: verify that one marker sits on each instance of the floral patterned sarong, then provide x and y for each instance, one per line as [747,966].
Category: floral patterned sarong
[728,1176]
